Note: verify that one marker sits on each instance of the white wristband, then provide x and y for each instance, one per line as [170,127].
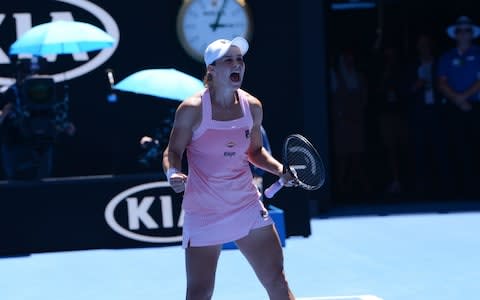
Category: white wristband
[170,172]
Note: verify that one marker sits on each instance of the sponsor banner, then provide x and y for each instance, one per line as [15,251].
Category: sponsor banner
[101,212]
[89,213]
[19,17]
[151,214]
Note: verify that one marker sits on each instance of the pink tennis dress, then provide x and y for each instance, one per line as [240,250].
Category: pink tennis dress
[221,202]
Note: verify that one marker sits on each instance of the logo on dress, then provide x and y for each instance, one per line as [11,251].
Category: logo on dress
[230,144]
[247,134]
[229,154]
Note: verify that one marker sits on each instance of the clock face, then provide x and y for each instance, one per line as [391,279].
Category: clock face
[200,22]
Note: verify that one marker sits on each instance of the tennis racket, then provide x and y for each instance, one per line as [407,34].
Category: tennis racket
[304,164]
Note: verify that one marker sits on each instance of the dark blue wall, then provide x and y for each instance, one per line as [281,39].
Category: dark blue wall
[108,134]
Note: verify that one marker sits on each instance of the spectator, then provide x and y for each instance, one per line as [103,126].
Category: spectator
[390,99]
[429,143]
[459,73]
[349,99]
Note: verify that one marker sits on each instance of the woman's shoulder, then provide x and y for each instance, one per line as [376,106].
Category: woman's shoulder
[255,106]
[252,100]
[193,102]
[190,108]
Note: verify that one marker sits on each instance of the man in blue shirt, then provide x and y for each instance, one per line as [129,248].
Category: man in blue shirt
[459,83]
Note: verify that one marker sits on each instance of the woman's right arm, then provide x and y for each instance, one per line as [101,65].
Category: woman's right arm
[181,135]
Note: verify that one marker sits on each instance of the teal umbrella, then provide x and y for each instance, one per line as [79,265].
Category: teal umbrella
[163,83]
[62,37]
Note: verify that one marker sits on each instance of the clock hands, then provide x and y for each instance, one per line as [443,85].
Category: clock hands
[226,25]
[216,24]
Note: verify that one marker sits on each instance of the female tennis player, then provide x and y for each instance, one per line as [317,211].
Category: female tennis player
[220,130]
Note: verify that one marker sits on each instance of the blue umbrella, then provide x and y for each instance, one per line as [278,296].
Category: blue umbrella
[164,83]
[62,37]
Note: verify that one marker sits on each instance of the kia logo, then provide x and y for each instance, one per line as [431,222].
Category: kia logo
[23,22]
[146,213]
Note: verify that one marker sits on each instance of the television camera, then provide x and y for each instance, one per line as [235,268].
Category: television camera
[38,113]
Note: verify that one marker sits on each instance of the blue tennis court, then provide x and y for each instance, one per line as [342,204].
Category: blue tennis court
[408,256]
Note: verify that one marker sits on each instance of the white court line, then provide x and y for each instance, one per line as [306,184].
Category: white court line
[361,297]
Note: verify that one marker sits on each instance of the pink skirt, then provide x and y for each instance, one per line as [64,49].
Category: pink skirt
[201,230]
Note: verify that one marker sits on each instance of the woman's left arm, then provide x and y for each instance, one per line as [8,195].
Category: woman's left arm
[257,154]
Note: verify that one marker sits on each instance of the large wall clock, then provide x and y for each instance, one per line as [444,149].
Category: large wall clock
[200,22]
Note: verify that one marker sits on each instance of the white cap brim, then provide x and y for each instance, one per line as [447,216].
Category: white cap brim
[475,30]
[219,48]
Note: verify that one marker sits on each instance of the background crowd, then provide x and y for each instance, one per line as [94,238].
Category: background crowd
[405,122]
[403,112]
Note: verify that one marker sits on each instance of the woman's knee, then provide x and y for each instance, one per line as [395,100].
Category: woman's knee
[201,266]
[200,290]
[275,280]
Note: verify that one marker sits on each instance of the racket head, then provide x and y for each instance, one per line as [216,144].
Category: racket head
[302,160]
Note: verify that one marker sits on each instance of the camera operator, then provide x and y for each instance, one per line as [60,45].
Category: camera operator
[28,133]
[152,152]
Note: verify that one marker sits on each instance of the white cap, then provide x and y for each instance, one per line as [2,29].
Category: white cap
[463,22]
[218,48]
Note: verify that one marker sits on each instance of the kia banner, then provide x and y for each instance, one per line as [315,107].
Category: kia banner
[96,212]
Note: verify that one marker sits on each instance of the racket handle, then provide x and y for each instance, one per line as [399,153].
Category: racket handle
[274,188]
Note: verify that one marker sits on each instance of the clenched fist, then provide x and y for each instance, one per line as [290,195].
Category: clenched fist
[177,181]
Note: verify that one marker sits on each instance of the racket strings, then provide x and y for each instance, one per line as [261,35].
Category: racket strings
[305,160]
